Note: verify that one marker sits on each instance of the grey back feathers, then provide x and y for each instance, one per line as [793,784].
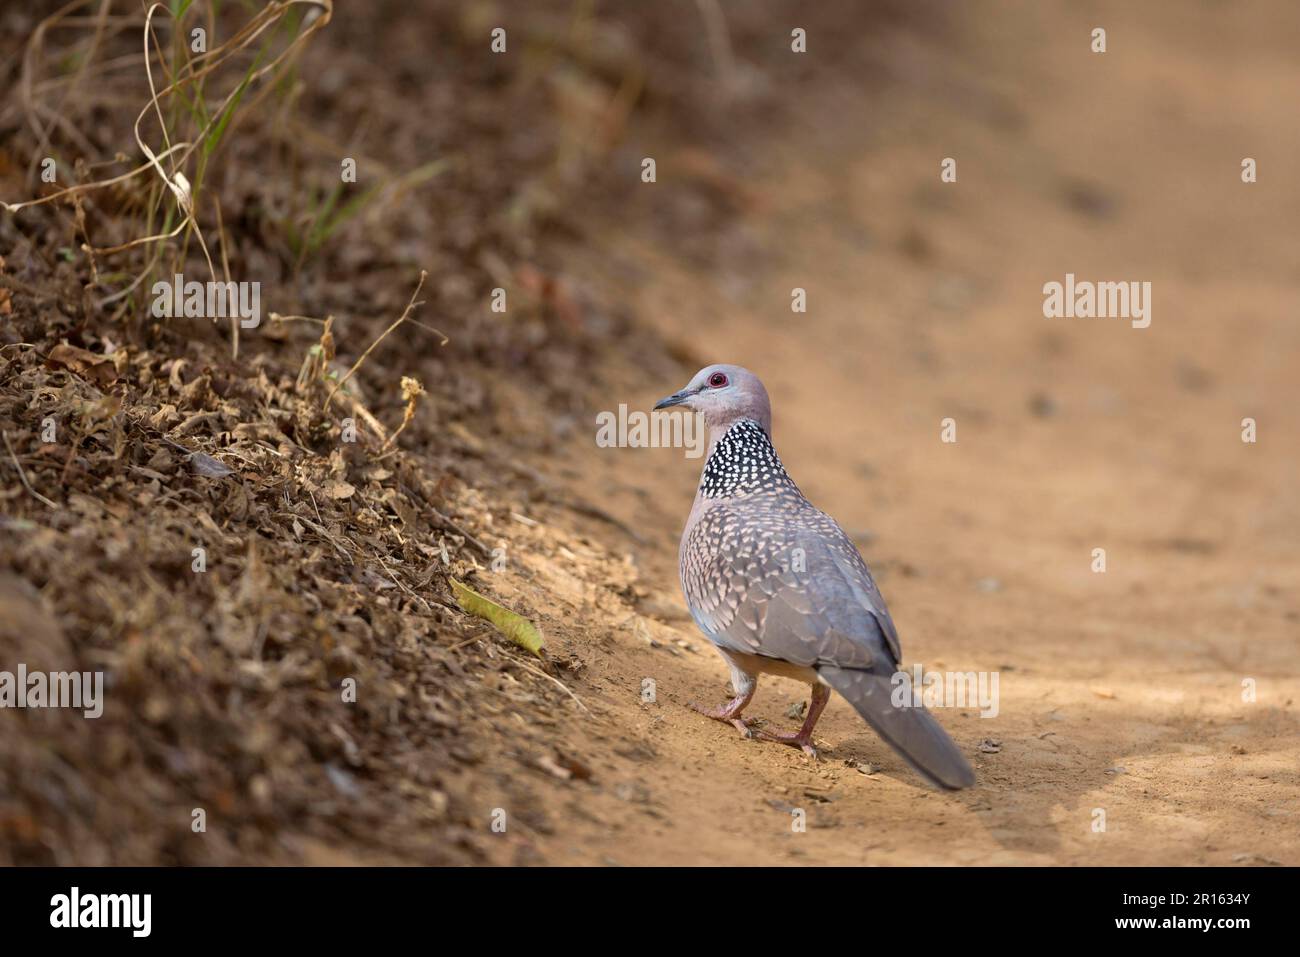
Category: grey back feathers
[766,572]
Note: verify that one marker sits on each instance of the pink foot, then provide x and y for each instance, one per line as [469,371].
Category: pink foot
[729,713]
[796,739]
[802,739]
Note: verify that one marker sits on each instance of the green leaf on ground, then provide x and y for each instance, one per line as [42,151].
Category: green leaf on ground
[515,627]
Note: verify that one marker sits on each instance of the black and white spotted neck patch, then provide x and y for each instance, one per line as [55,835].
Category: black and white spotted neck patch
[743,461]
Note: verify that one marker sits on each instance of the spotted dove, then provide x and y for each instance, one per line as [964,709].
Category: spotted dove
[779,588]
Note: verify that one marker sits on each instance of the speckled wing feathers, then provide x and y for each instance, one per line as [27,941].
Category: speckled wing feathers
[767,573]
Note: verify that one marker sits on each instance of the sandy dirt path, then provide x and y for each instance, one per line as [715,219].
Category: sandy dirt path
[1120,692]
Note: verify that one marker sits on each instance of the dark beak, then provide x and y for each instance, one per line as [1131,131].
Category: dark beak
[677,398]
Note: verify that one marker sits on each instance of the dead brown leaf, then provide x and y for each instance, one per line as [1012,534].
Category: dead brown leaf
[97,369]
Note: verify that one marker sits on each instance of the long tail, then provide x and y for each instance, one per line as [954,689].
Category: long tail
[912,731]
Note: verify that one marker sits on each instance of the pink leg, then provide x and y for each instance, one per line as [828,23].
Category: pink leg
[730,712]
[802,739]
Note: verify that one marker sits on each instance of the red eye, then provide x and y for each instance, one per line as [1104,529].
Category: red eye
[717,380]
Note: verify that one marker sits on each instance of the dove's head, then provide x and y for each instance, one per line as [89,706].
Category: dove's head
[723,395]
